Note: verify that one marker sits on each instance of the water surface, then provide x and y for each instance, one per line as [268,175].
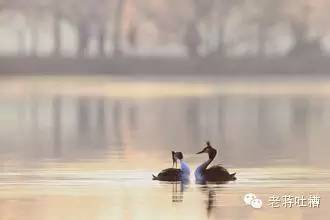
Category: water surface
[86,147]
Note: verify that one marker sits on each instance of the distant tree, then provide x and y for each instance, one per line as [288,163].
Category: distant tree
[222,10]
[132,35]
[171,18]
[57,13]
[304,45]
[117,34]
[78,15]
[89,18]
[214,14]
[100,16]
[266,13]
[37,14]
[192,40]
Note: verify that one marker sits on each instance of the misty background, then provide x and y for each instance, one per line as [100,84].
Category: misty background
[95,94]
[224,35]
[166,38]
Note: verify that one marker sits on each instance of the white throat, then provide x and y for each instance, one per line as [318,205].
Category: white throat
[185,169]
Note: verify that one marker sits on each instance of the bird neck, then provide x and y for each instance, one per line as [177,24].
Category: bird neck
[212,154]
[206,163]
[184,168]
[183,164]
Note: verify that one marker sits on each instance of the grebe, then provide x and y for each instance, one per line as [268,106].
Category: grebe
[174,160]
[215,173]
[174,174]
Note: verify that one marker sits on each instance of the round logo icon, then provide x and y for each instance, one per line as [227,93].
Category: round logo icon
[256,203]
[249,197]
[252,200]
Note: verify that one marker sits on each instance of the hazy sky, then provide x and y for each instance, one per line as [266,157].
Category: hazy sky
[14,27]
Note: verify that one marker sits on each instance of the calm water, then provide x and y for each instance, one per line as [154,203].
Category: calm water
[85,148]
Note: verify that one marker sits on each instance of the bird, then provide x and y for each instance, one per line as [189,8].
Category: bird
[174,160]
[215,173]
[175,174]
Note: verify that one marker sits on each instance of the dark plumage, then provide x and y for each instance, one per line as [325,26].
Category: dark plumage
[218,173]
[171,174]
[215,173]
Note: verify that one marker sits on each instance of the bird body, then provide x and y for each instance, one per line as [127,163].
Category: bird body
[169,174]
[218,173]
[215,173]
[174,174]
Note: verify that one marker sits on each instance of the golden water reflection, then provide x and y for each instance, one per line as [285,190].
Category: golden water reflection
[132,195]
[86,148]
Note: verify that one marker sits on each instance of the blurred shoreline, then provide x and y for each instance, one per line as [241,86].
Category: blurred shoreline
[160,66]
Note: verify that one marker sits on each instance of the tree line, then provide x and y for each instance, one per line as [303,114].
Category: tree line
[200,27]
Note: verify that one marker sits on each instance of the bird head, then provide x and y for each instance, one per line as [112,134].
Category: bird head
[177,155]
[209,150]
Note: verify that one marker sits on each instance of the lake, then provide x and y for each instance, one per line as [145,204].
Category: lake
[82,147]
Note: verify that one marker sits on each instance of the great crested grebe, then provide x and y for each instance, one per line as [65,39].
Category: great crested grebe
[174,174]
[215,173]
[174,160]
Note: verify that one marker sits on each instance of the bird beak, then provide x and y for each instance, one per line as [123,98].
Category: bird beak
[174,155]
[200,152]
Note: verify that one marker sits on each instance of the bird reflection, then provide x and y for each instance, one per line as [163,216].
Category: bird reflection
[178,189]
[210,202]
[210,192]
